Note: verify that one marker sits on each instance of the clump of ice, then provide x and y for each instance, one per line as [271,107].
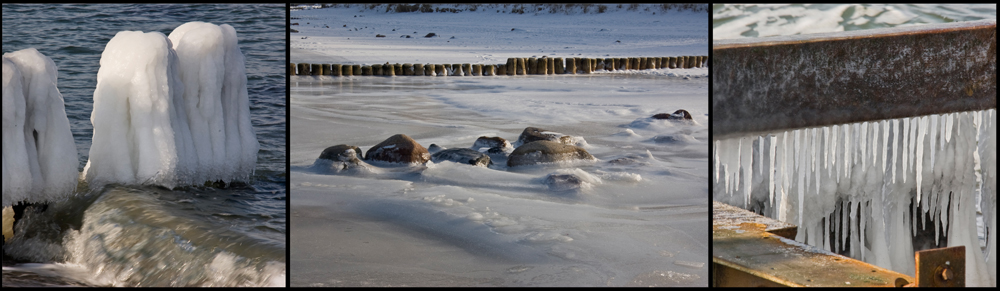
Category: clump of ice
[863,189]
[213,71]
[39,155]
[172,111]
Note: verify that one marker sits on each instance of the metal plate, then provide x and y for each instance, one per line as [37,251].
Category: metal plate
[944,267]
[723,214]
[746,255]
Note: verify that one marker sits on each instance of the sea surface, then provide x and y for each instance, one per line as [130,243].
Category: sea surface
[144,235]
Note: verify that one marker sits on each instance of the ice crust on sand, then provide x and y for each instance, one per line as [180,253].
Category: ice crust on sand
[39,156]
[172,111]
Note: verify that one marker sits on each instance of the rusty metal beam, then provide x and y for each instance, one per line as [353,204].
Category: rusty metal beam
[746,254]
[772,83]
[723,214]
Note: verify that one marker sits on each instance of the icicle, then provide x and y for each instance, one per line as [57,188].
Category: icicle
[771,140]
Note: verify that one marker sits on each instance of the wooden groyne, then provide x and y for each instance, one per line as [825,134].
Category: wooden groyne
[513,67]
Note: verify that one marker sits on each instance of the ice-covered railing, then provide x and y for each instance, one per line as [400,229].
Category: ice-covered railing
[172,111]
[39,156]
[870,190]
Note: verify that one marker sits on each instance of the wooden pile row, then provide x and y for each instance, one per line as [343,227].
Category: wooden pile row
[514,66]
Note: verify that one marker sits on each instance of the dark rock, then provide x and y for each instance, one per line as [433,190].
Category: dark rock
[679,114]
[563,182]
[544,151]
[674,138]
[625,161]
[431,35]
[398,149]
[464,156]
[379,35]
[632,159]
[342,153]
[434,148]
[491,142]
[532,134]
[498,151]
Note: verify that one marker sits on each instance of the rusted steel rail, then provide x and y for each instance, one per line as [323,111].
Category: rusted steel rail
[772,83]
[749,250]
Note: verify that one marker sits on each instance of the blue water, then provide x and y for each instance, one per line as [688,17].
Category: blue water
[246,221]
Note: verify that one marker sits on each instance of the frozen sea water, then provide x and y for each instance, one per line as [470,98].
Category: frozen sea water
[639,220]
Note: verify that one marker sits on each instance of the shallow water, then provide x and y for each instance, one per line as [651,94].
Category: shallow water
[643,223]
[189,236]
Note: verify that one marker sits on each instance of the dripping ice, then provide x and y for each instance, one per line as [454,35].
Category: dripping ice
[172,110]
[882,185]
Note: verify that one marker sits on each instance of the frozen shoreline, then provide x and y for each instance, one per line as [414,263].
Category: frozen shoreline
[488,37]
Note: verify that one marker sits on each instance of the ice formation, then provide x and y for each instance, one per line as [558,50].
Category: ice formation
[867,189]
[172,111]
[39,155]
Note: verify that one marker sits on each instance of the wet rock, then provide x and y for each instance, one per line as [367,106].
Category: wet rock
[499,151]
[398,149]
[674,138]
[624,161]
[464,156]
[678,115]
[571,180]
[342,153]
[544,151]
[532,134]
[434,148]
[491,142]
[563,182]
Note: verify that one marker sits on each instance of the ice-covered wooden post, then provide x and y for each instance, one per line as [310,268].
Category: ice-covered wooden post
[194,128]
[39,154]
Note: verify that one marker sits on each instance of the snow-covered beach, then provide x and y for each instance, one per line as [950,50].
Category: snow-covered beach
[639,216]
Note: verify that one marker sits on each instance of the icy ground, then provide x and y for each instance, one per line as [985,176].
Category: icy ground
[639,223]
[487,37]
